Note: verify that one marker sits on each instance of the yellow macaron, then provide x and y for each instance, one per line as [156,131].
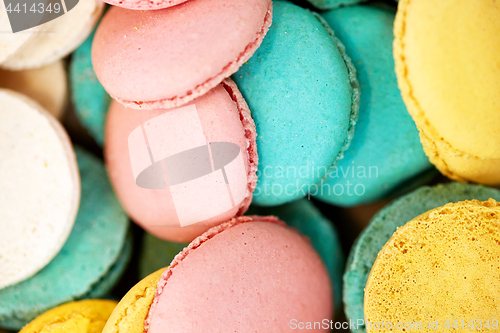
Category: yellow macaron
[441,266]
[447,57]
[130,314]
[87,316]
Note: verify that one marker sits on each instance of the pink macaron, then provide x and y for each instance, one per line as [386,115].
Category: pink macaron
[166,58]
[252,274]
[180,171]
[144,4]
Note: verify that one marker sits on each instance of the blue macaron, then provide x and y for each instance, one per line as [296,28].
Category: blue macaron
[303,94]
[385,151]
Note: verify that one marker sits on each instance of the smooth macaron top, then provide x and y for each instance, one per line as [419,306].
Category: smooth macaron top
[180,171]
[40,187]
[144,4]
[88,316]
[448,64]
[442,265]
[165,58]
[302,90]
[255,268]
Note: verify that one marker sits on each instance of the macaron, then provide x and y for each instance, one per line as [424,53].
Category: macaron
[52,40]
[330,4]
[303,93]
[442,265]
[301,215]
[46,85]
[75,317]
[260,271]
[145,4]
[91,261]
[88,96]
[447,80]
[385,150]
[364,252]
[40,188]
[168,57]
[180,171]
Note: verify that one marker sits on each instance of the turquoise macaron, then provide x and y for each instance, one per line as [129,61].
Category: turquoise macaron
[384,224]
[385,151]
[330,4]
[301,215]
[303,94]
[89,264]
[89,98]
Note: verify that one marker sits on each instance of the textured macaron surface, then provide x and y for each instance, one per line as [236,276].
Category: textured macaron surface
[441,266]
[87,258]
[88,316]
[386,222]
[385,150]
[180,171]
[165,58]
[300,91]
[261,272]
[448,78]
[40,188]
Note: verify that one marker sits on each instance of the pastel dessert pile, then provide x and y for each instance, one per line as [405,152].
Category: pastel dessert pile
[250,142]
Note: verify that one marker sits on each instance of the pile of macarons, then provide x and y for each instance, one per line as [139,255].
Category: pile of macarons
[251,142]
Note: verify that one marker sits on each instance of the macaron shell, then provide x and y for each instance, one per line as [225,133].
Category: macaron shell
[41,187]
[385,150]
[67,33]
[131,312]
[385,223]
[145,4]
[89,256]
[46,85]
[260,271]
[303,93]
[9,42]
[450,97]
[458,167]
[166,58]
[221,116]
[442,263]
[88,316]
